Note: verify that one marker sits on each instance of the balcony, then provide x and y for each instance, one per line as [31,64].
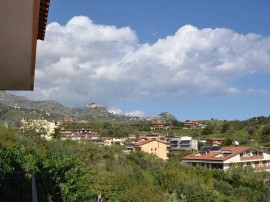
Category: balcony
[255,157]
[262,168]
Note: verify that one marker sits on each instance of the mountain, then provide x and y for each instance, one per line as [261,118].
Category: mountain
[48,106]
[163,117]
[14,108]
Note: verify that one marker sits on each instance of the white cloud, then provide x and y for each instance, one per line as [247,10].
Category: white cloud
[136,113]
[84,62]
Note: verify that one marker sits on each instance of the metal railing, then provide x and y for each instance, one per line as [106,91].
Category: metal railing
[242,158]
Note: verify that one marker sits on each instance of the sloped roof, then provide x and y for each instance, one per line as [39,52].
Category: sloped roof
[211,155]
[138,144]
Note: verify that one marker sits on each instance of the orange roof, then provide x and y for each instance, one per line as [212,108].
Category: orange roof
[211,155]
[138,144]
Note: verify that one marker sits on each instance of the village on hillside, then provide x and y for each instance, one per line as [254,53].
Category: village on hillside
[211,153]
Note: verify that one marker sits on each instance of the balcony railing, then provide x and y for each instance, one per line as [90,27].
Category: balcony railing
[262,168]
[242,158]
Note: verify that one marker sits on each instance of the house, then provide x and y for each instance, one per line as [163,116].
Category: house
[65,132]
[182,143]
[79,134]
[22,23]
[187,143]
[191,124]
[131,137]
[216,157]
[160,125]
[42,127]
[152,146]
[151,136]
[111,141]
[157,125]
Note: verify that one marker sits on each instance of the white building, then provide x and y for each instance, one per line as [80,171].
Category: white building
[182,143]
[229,157]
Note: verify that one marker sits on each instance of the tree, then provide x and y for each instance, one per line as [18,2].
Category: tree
[208,130]
[57,134]
[225,127]
[265,134]
[253,132]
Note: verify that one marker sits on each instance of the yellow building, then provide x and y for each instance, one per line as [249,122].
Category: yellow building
[43,128]
[153,147]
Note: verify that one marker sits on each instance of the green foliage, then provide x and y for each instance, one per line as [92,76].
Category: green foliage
[253,132]
[73,171]
[208,130]
[226,127]
[265,134]
[176,123]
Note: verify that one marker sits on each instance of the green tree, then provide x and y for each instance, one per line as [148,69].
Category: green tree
[225,127]
[57,134]
[265,134]
[253,132]
[208,130]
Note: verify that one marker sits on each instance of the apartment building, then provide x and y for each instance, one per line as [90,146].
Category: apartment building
[182,143]
[217,157]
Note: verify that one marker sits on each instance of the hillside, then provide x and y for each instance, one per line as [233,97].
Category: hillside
[14,108]
[72,171]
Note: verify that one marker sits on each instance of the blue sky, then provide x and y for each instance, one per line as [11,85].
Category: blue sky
[195,59]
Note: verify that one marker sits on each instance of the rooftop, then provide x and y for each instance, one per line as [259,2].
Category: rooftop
[222,154]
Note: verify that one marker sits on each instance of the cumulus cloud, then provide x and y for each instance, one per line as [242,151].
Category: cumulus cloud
[136,113]
[83,62]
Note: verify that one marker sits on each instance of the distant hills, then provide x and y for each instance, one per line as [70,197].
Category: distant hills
[14,108]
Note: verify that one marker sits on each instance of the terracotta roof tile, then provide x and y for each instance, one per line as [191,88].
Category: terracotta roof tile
[138,144]
[211,155]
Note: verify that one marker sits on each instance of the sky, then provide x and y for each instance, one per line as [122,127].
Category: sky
[196,59]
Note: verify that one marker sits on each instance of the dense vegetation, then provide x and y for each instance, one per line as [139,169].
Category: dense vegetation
[71,171]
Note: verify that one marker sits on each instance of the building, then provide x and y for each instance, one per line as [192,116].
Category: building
[42,127]
[153,147]
[191,124]
[79,134]
[229,157]
[159,125]
[22,23]
[131,137]
[187,143]
[182,143]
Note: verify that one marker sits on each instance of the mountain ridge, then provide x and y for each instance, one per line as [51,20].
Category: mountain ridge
[14,108]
